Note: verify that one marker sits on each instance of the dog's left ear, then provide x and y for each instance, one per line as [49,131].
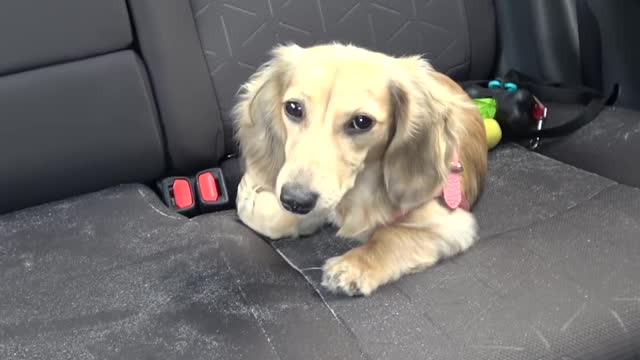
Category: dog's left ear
[259,130]
[417,160]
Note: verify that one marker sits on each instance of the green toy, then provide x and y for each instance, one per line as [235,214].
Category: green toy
[487,107]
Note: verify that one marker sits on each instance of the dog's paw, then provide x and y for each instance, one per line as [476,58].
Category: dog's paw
[349,274]
[260,210]
[244,202]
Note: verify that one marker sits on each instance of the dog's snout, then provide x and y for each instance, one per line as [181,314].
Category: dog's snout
[297,199]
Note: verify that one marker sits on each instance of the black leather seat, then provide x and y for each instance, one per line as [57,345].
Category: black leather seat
[116,274]
[607,146]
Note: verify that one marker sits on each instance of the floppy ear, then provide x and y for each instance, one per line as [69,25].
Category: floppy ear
[259,130]
[417,160]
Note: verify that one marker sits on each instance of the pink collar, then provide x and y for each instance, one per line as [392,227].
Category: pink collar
[452,193]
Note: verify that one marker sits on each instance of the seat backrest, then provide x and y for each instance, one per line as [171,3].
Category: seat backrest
[228,40]
[94,93]
[76,110]
[169,44]
[457,36]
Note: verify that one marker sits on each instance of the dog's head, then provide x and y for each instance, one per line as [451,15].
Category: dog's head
[310,120]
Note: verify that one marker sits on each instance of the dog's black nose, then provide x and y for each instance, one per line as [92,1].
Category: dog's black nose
[296,199]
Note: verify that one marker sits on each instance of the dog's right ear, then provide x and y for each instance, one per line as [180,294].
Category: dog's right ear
[259,130]
[416,162]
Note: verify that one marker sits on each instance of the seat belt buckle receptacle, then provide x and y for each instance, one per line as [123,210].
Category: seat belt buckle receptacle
[211,190]
[178,193]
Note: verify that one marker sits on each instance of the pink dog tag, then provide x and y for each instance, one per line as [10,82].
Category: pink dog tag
[452,192]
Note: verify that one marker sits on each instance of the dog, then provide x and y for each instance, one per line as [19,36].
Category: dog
[385,148]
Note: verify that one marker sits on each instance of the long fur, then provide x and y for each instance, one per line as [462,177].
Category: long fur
[399,167]
[259,135]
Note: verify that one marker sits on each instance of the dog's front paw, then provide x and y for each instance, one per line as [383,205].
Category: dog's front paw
[245,200]
[260,210]
[350,274]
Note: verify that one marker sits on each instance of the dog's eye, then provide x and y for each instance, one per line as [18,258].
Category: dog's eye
[360,123]
[294,110]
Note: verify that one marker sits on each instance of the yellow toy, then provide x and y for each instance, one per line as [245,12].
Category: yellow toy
[494,133]
[487,107]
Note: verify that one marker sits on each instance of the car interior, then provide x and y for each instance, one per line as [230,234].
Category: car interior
[104,105]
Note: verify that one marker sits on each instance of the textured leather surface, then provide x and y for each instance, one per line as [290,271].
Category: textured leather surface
[76,127]
[553,276]
[37,33]
[540,38]
[616,20]
[116,275]
[552,40]
[237,35]
[608,146]
[180,77]
[483,38]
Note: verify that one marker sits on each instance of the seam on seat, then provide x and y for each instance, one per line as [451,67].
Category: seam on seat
[322,298]
[251,309]
[65,61]
[210,78]
[149,82]
[150,95]
[456,67]
[144,197]
[469,57]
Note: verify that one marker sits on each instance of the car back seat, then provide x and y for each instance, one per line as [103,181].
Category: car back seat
[76,107]
[607,146]
[581,43]
[116,274]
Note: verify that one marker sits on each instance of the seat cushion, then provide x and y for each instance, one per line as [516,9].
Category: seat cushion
[608,146]
[554,274]
[117,275]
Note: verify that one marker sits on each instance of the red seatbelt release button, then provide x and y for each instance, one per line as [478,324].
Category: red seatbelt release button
[182,193]
[208,187]
[211,190]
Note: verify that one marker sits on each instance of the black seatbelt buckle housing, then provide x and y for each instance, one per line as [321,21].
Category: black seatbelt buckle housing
[211,190]
[178,193]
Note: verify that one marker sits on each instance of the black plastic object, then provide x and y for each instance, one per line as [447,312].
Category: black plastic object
[181,200]
[513,109]
[211,190]
[511,103]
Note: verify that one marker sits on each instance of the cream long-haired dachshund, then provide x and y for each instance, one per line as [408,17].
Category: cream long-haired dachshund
[385,148]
